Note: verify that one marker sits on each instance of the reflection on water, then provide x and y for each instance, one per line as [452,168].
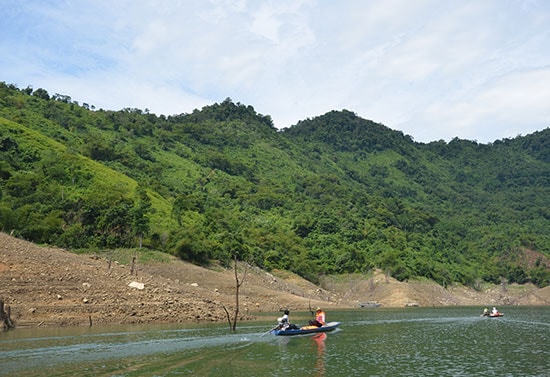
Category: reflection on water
[380,342]
[320,341]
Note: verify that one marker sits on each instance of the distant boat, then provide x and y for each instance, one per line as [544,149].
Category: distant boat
[492,315]
[370,304]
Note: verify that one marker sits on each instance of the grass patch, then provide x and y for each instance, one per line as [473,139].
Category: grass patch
[124,256]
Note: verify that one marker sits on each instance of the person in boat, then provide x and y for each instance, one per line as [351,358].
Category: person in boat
[320,318]
[485,312]
[494,311]
[284,322]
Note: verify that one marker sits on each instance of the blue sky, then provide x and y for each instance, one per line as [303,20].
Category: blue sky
[434,69]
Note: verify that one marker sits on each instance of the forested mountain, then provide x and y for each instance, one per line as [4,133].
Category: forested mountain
[332,194]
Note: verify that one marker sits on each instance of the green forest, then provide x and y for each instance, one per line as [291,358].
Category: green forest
[329,195]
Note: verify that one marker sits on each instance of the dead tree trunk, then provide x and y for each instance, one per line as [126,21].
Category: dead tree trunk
[238,283]
[134,267]
[5,320]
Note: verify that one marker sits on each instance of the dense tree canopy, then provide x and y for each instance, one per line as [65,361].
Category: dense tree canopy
[332,194]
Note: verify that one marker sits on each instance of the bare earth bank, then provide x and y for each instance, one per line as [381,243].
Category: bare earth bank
[52,287]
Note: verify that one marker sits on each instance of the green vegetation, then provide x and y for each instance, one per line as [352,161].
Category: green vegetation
[333,194]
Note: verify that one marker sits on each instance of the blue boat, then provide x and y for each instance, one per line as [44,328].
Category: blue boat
[307,330]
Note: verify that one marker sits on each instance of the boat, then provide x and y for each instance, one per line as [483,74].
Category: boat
[331,326]
[370,304]
[492,315]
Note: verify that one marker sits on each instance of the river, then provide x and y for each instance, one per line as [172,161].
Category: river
[370,342]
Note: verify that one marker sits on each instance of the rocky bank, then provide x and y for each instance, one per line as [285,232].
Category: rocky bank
[46,286]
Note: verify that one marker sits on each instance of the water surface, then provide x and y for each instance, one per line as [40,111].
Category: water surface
[370,342]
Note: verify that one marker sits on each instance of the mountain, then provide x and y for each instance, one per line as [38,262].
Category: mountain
[331,194]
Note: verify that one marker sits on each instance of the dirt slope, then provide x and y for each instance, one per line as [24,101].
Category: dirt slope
[52,287]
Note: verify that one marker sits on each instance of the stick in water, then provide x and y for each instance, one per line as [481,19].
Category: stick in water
[265,333]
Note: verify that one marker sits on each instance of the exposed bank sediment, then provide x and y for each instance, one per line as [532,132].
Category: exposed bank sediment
[52,287]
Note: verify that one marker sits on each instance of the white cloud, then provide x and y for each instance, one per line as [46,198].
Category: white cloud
[435,70]
[516,104]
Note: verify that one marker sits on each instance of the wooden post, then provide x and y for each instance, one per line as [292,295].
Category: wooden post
[132,269]
[5,320]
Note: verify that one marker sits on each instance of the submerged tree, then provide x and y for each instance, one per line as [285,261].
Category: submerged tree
[238,283]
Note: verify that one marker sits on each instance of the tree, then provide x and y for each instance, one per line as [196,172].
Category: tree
[115,224]
[140,214]
[41,93]
[238,283]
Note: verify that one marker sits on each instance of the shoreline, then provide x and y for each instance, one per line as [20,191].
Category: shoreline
[51,287]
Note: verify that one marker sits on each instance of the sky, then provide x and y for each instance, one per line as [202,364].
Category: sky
[433,69]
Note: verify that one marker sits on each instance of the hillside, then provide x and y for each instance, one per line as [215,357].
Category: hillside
[331,195]
[50,286]
[47,286]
